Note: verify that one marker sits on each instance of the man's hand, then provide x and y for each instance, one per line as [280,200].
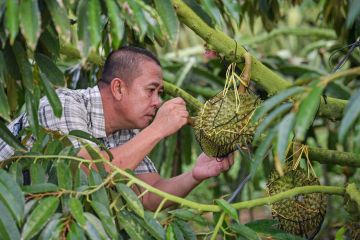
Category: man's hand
[171,116]
[207,167]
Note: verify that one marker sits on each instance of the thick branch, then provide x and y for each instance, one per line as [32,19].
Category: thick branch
[327,156]
[262,75]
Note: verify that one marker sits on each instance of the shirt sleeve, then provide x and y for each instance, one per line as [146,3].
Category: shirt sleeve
[74,117]
[145,166]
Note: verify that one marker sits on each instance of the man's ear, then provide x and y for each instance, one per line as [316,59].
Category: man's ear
[117,87]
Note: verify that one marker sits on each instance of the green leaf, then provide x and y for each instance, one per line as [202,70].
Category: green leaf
[307,112]
[153,226]
[352,112]
[10,139]
[340,234]
[170,233]
[50,70]
[270,119]
[100,195]
[177,231]
[94,227]
[244,231]
[354,12]
[131,199]
[140,18]
[37,173]
[94,154]
[62,172]
[8,228]
[94,18]
[274,101]
[199,11]
[228,208]
[75,232]
[53,229]
[186,230]
[40,188]
[24,66]
[76,210]
[189,215]
[269,228]
[42,213]
[85,135]
[213,10]
[16,171]
[167,13]
[117,24]
[29,206]
[285,127]
[84,42]
[12,18]
[30,21]
[11,196]
[130,225]
[106,218]
[4,106]
[232,8]
[32,113]
[60,18]
[261,151]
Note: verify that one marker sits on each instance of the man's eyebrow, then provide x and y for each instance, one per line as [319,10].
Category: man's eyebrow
[155,84]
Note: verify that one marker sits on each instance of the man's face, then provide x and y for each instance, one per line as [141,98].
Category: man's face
[142,97]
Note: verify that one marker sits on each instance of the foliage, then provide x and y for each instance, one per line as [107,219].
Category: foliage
[50,44]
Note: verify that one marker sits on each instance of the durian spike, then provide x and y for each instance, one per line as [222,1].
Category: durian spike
[245,75]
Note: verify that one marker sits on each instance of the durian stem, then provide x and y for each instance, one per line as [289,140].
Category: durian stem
[245,75]
[218,225]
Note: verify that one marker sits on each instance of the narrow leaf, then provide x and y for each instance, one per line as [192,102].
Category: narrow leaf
[37,173]
[106,219]
[40,188]
[285,127]
[352,112]
[11,195]
[274,101]
[93,226]
[50,70]
[131,199]
[60,18]
[307,112]
[24,66]
[53,228]
[101,194]
[139,16]
[130,225]
[354,12]
[32,112]
[189,215]
[12,18]
[169,18]
[228,208]
[244,231]
[185,229]
[270,119]
[42,213]
[75,232]
[51,95]
[117,24]
[83,31]
[76,210]
[153,227]
[94,18]
[261,151]
[8,228]
[10,139]
[30,21]
[170,234]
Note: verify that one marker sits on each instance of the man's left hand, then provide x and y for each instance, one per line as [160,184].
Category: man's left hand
[207,167]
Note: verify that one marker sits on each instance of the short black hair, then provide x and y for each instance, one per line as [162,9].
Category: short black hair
[125,63]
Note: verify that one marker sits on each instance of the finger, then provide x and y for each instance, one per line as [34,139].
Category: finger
[225,164]
[178,100]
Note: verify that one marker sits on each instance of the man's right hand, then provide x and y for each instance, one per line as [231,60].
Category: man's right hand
[171,116]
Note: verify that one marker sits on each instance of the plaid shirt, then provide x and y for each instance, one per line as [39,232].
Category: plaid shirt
[82,110]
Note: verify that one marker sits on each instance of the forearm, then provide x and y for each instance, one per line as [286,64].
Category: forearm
[180,186]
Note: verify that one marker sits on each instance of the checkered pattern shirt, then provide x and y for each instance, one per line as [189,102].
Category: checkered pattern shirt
[82,110]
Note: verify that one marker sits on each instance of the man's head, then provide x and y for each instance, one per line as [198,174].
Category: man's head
[132,79]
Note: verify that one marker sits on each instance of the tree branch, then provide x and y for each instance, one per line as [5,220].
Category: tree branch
[260,74]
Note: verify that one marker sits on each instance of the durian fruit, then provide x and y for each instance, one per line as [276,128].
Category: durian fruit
[302,214]
[354,228]
[224,122]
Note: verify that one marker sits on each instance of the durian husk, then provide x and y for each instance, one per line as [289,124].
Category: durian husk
[302,214]
[223,123]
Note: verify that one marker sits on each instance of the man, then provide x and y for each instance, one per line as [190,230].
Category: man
[127,98]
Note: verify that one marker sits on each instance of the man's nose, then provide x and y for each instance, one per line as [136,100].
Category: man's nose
[157,101]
